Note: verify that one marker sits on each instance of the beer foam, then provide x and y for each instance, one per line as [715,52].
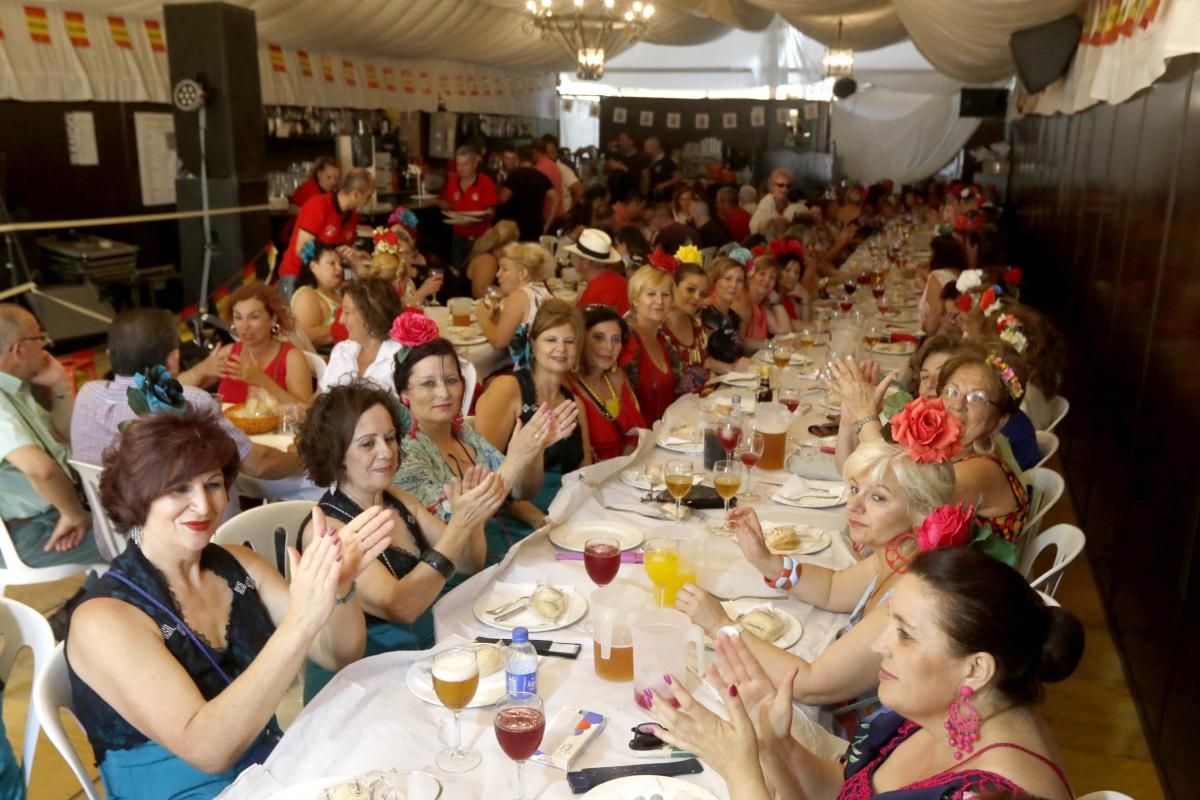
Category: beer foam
[458,667]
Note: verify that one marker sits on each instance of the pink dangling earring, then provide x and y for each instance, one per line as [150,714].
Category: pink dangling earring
[457,424]
[962,722]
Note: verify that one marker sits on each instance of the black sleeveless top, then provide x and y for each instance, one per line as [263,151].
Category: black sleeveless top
[246,634]
[565,455]
[399,562]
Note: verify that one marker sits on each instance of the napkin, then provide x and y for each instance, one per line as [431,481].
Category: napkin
[800,492]
[735,377]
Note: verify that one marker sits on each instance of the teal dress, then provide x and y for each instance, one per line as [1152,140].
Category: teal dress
[12,781]
[132,766]
[383,636]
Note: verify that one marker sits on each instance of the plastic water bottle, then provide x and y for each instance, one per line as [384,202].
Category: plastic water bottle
[520,664]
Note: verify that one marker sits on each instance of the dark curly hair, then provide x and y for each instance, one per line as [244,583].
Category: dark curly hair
[158,453]
[270,299]
[435,347]
[329,426]
[377,302]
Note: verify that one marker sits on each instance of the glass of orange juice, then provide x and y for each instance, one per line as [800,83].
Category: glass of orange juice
[670,565]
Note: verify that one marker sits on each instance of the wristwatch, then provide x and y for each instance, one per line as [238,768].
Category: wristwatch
[858,425]
[444,566]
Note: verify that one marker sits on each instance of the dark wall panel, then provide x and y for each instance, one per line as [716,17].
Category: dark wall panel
[1109,207]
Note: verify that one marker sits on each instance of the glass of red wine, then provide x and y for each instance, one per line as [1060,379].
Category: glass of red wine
[790,397]
[602,559]
[729,433]
[520,723]
[850,287]
[877,291]
[749,451]
[864,277]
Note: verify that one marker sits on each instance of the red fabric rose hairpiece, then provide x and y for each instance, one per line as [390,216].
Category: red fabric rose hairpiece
[782,248]
[386,241]
[948,526]
[663,260]
[928,432]
[410,330]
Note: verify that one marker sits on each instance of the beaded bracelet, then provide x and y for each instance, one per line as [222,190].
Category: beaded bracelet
[341,601]
[789,576]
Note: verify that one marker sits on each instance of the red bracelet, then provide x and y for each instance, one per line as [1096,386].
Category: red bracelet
[789,576]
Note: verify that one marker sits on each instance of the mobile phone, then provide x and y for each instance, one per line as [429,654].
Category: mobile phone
[826,429]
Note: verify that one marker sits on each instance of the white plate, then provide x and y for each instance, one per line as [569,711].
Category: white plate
[721,401]
[895,348]
[899,317]
[631,786]
[574,535]
[464,336]
[679,440]
[798,359]
[812,540]
[790,635]
[418,786]
[527,618]
[420,683]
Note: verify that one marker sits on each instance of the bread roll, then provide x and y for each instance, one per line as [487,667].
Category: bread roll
[784,537]
[490,659]
[549,603]
[764,623]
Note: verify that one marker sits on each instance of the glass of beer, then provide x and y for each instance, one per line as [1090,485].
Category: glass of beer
[520,724]
[455,679]
[460,311]
[678,475]
[727,478]
[782,355]
[873,335]
[772,421]
[808,337]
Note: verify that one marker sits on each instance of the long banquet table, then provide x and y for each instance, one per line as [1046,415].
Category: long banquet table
[366,718]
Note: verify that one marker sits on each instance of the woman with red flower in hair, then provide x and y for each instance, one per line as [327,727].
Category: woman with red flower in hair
[893,494]
[600,384]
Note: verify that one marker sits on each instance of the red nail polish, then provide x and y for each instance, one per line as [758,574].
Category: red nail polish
[733,690]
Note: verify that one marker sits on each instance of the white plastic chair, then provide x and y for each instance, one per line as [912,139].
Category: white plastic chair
[21,627]
[707,255]
[1047,446]
[1105,794]
[267,530]
[1059,406]
[16,572]
[316,364]
[110,543]
[1048,600]
[1068,542]
[1047,488]
[51,692]
[470,381]
[550,243]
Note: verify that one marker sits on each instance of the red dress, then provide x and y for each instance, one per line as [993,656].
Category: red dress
[654,387]
[609,436]
[236,391]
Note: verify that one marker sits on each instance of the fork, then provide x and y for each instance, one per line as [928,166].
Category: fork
[500,609]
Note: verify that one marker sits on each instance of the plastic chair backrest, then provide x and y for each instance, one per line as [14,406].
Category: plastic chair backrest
[1105,794]
[1047,446]
[16,572]
[316,364]
[707,255]
[21,627]
[51,692]
[550,243]
[1059,406]
[470,381]
[1047,488]
[1068,542]
[267,530]
[110,543]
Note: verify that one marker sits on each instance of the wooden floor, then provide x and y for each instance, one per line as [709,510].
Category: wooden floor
[1093,715]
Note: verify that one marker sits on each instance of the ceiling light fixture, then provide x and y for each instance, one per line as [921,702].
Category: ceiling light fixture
[838,61]
[587,38]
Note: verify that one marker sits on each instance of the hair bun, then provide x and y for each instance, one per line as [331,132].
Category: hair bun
[1063,647]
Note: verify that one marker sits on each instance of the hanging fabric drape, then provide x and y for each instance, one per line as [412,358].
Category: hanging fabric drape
[905,137]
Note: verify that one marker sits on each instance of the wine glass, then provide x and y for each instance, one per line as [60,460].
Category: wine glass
[520,724]
[873,335]
[729,432]
[678,476]
[782,355]
[749,451]
[654,475]
[455,679]
[602,559]
[727,478]
[808,337]
[660,556]
[790,397]
[435,272]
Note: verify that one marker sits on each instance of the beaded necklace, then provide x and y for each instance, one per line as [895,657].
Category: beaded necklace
[612,405]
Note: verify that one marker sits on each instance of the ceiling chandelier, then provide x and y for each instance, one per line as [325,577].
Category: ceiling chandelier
[838,61]
[587,37]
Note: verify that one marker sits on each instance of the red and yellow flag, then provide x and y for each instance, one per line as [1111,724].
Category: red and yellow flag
[348,72]
[327,68]
[389,79]
[372,77]
[426,84]
[120,33]
[39,26]
[277,62]
[305,63]
[406,81]
[154,33]
[76,27]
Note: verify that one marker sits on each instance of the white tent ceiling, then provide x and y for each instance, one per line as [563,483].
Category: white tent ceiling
[965,39]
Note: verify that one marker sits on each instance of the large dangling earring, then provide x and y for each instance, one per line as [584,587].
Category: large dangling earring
[275,329]
[457,424]
[962,722]
[893,552]
[135,535]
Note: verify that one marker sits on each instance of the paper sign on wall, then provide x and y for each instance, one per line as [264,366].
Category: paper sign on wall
[812,111]
[81,139]
[673,119]
[781,115]
[157,157]
[729,120]
[702,122]
[646,119]
[619,115]
[758,116]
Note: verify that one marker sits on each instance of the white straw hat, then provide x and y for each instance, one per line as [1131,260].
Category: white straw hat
[594,245]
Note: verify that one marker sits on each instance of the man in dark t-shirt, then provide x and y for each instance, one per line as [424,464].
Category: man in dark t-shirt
[523,197]
[663,173]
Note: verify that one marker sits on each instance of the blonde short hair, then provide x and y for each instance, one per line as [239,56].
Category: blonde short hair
[533,257]
[928,486]
[719,266]
[503,232]
[648,278]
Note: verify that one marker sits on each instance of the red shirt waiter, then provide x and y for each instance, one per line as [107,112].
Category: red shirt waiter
[331,219]
[468,190]
[325,177]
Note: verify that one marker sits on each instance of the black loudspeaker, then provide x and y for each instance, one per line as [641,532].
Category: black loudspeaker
[1043,53]
[238,238]
[983,103]
[216,45]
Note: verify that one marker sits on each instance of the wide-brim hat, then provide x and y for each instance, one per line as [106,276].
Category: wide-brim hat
[594,245]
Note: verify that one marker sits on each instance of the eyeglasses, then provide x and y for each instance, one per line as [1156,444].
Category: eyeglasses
[782,185]
[41,337]
[978,397]
[644,737]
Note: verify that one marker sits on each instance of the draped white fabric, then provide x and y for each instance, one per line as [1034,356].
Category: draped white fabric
[1125,57]
[905,137]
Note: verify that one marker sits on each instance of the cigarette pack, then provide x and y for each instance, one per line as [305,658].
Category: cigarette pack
[566,737]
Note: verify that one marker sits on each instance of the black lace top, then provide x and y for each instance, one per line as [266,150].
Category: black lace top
[246,634]
[724,340]
[565,455]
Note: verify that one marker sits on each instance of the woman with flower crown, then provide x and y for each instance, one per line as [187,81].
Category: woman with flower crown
[317,301]
[895,507]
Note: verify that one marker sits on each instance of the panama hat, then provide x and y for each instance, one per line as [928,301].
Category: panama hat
[594,245]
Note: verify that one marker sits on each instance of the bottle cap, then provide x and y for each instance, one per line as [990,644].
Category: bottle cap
[520,635]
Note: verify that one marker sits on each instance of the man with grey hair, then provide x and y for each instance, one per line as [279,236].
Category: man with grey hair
[470,194]
[712,233]
[330,219]
[775,204]
[39,500]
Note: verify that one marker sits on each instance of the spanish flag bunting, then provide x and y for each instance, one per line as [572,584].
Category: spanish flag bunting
[460,83]
[406,81]
[372,77]
[39,26]
[154,33]
[426,84]
[472,86]
[277,62]
[389,79]
[327,68]
[305,63]
[76,28]
[486,80]
[348,72]
[120,33]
